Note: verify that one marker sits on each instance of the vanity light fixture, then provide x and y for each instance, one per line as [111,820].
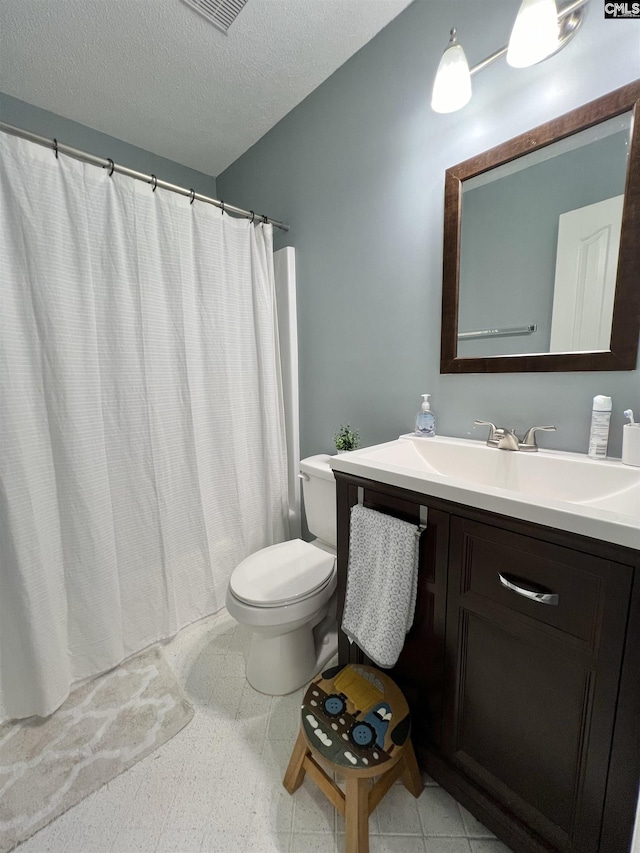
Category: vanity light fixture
[535,33]
[452,86]
[539,31]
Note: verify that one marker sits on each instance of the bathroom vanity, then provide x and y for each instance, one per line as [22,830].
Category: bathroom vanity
[522,667]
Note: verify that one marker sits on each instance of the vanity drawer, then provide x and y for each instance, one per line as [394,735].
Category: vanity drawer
[572,583]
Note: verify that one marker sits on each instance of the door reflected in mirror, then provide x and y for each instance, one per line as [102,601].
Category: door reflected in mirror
[539,247]
[541,243]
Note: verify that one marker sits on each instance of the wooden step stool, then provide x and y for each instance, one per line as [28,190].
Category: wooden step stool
[355,719]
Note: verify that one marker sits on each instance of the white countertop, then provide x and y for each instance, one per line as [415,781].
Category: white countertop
[567,491]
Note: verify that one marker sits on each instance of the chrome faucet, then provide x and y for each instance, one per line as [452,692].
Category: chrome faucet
[503,438]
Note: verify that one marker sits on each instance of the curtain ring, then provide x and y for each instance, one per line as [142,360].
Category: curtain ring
[193,195]
[265,219]
[55,146]
[253,216]
[113,165]
[154,181]
[222,207]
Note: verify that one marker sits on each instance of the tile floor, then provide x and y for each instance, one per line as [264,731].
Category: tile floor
[217,786]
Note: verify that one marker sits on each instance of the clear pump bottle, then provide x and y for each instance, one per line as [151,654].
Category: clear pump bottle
[425,419]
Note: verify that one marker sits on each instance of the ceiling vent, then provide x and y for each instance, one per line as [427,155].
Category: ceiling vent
[221,13]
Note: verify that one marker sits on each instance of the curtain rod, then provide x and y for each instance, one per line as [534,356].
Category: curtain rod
[107,163]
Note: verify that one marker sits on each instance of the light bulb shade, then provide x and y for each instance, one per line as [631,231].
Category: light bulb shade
[535,33]
[452,86]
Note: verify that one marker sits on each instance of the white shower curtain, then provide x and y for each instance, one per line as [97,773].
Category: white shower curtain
[142,449]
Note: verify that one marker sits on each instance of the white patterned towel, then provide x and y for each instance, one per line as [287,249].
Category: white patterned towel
[382,581]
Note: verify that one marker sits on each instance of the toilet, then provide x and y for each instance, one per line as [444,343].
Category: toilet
[286,594]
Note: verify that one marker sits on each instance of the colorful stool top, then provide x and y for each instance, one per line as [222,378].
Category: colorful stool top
[355,716]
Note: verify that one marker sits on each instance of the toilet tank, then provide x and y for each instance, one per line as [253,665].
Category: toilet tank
[319,490]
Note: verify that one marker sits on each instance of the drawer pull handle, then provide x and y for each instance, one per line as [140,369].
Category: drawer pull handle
[534,595]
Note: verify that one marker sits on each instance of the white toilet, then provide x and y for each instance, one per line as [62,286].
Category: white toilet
[286,594]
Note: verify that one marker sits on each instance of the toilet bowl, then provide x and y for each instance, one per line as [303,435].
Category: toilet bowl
[285,594]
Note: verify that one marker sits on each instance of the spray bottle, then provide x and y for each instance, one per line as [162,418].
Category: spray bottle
[599,434]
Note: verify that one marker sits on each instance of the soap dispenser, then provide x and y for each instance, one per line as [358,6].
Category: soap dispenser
[425,419]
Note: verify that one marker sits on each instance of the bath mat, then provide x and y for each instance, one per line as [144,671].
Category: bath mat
[104,727]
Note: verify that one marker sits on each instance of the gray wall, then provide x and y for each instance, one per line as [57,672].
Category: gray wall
[21,114]
[358,171]
[520,213]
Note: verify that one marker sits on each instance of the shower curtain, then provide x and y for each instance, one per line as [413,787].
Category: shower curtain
[142,448]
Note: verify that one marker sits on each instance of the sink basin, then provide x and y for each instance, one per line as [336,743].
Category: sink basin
[560,476]
[571,491]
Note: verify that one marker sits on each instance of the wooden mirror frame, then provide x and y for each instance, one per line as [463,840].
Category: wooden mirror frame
[625,327]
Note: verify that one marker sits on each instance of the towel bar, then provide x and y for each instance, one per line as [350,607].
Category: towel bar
[422,526]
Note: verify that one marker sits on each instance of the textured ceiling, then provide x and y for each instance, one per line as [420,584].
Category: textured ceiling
[156,74]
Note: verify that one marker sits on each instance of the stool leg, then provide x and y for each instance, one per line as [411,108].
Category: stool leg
[357,815]
[411,776]
[294,775]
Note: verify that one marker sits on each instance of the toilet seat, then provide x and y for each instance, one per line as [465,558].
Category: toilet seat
[280,574]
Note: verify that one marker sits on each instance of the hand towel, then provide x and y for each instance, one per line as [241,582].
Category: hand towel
[382,581]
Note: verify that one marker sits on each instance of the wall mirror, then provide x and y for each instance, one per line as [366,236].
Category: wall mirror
[542,247]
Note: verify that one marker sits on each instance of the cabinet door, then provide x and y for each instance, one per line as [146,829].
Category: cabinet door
[419,671]
[531,690]
[420,668]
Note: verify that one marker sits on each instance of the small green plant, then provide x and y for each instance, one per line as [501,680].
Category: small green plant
[346,438]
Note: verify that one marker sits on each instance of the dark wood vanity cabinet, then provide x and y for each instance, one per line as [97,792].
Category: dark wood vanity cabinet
[527,712]
[532,687]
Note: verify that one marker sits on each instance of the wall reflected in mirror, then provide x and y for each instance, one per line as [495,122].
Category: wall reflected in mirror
[539,239]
